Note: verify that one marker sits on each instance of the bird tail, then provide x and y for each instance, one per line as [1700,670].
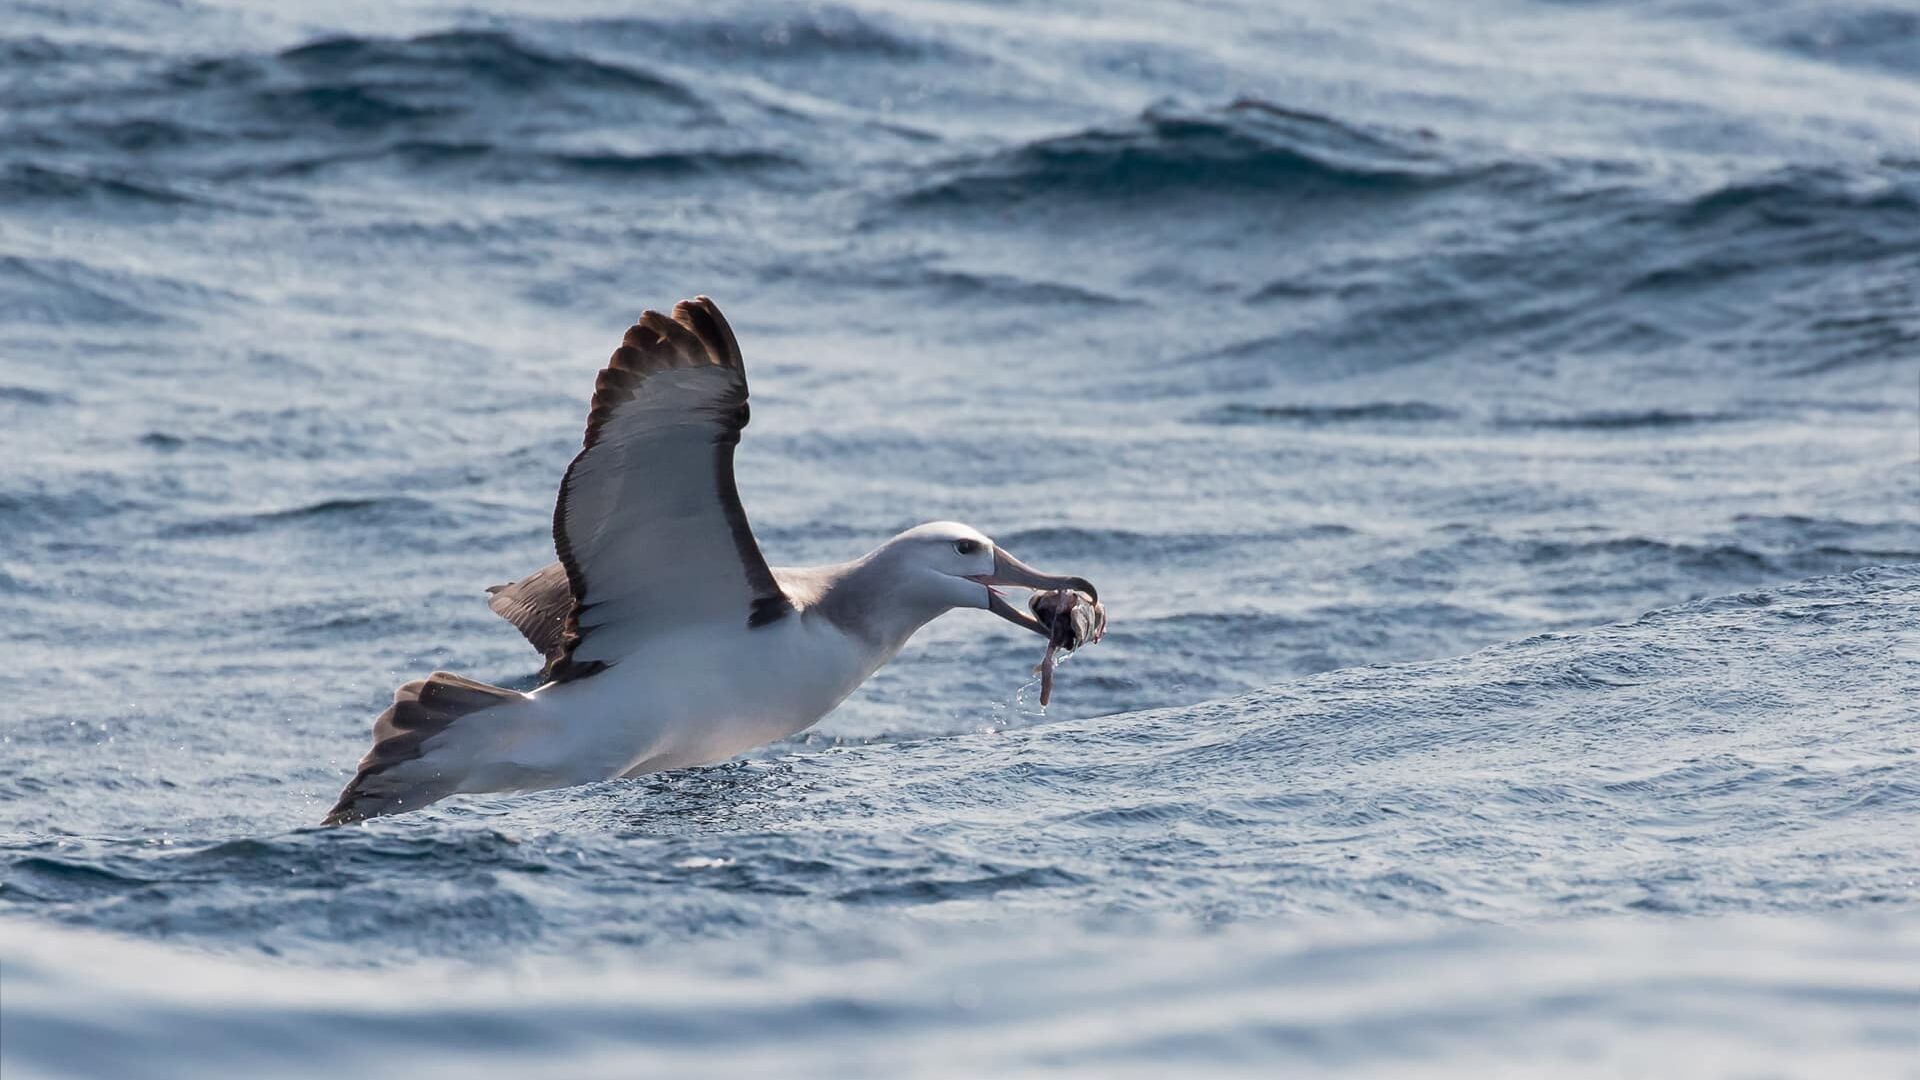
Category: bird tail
[411,763]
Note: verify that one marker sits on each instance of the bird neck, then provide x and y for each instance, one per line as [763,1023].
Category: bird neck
[868,600]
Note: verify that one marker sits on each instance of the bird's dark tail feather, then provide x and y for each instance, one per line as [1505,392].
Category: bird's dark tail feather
[394,776]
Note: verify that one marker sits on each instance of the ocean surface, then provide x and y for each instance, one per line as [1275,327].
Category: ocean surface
[1494,428]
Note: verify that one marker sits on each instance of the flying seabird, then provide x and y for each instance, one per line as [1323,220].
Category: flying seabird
[669,641]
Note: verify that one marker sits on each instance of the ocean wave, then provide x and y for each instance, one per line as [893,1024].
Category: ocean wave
[38,56]
[29,395]
[1781,220]
[365,85]
[63,292]
[1752,241]
[327,515]
[1751,553]
[817,34]
[498,162]
[49,880]
[27,182]
[1400,412]
[1854,34]
[1248,146]
[1070,541]
[1421,412]
[1798,195]
[20,52]
[486,61]
[1162,996]
[1622,420]
[918,887]
[1641,272]
[38,506]
[425,100]
[952,284]
[673,163]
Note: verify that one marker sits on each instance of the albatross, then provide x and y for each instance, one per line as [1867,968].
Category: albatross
[669,641]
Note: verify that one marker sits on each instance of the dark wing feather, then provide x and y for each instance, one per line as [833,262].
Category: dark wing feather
[537,606]
[648,525]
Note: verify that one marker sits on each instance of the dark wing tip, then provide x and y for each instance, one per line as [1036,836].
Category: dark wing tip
[702,316]
[696,334]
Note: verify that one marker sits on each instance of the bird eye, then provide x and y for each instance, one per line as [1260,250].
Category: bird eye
[966,547]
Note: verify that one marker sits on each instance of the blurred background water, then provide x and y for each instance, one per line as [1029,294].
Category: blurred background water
[1495,429]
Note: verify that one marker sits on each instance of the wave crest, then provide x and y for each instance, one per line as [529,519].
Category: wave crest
[1247,146]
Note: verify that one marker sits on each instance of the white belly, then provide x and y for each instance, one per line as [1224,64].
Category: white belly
[693,697]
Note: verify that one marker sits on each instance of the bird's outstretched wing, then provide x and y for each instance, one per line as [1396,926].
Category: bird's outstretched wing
[648,525]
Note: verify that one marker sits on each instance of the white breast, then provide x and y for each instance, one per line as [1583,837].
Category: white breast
[696,696]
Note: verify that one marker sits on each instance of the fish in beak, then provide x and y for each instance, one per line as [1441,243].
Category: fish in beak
[1008,570]
[1075,620]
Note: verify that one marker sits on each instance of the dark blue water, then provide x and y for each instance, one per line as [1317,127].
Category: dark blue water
[1495,431]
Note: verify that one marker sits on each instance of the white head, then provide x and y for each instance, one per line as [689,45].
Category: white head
[933,568]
